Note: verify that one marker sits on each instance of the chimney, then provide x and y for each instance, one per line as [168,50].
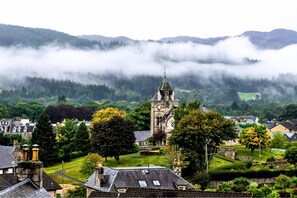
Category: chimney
[35,152]
[25,152]
[30,168]
[16,144]
[100,178]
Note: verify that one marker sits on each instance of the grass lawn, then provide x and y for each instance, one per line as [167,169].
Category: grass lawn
[247,96]
[72,168]
[242,151]
[218,162]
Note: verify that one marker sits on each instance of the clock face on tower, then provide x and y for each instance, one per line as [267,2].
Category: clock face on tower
[158,106]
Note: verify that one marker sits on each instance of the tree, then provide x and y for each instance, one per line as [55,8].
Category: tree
[43,136]
[199,132]
[256,136]
[82,139]
[141,116]
[184,109]
[89,164]
[112,138]
[279,140]
[65,136]
[291,155]
[106,114]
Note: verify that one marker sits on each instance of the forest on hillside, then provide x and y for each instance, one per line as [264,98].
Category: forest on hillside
[215,89]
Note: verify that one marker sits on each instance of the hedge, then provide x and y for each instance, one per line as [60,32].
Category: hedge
[226,175]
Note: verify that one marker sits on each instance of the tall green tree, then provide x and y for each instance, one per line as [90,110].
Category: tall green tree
[141,116]
[113,137]
[198,131]
[43,136]
[82,139]
[65,136]
[256,136]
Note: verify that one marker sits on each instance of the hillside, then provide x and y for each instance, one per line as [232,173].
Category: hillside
[11,35]
[275,39]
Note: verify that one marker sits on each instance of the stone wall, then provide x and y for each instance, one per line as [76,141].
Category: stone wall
[260,181]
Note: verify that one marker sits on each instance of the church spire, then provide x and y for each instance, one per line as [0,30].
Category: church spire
[164,72]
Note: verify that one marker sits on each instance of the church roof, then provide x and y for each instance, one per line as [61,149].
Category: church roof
[165,86]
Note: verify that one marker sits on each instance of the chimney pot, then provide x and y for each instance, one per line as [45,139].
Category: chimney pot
[35,152]
[25,152]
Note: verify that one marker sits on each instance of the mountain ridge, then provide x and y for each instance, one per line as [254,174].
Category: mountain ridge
[12,35]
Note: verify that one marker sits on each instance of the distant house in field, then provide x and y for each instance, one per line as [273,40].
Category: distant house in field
[243,119]
[141,138]
[17,125]
[291,136]
[118,180]
[287,126]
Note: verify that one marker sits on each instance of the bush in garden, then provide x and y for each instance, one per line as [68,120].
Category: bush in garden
[225,187]
[202,179]
[241,184]
[282,182]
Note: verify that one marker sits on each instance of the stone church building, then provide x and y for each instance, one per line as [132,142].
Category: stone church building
[162,110]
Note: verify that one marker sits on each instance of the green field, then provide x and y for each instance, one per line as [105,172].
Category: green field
[247,96]
[72,168]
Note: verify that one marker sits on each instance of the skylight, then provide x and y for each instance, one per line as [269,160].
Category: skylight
[156,182]
[142,183]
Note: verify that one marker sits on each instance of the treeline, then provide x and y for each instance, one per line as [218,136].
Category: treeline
[40,87]
[217,88]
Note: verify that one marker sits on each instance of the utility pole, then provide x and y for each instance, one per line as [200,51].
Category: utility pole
[62,171]
[206,157]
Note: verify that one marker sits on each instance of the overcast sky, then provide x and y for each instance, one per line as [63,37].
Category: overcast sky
[152,19]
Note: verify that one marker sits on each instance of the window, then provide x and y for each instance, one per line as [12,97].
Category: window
[181,187]
[121,190]
[142,183]
[156,182]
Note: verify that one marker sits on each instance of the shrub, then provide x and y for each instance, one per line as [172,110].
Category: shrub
[134,149]
[225,187]
[201,178]
[89,164]
[282,182]
[266,190]
[293,182]
[162,151]
[283,193]
[241,184]
[80,191]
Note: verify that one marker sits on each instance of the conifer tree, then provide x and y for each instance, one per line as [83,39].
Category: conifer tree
[43,136]
[82,139]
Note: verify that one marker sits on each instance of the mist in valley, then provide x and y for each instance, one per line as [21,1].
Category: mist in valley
[236,56]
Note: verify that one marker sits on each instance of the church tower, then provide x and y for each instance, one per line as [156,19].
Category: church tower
[162,109]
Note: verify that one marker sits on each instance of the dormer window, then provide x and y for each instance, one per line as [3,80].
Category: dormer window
[142,183]
[121,190]
[181,187]
[156,183]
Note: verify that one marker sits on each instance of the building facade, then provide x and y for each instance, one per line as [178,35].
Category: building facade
[162,110]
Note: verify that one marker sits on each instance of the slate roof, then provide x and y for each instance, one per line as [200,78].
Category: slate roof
[149,192]
[6,157]
[7,180]
[130,177]
[142,135]
[10,179]
[289,126]
[26,188]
